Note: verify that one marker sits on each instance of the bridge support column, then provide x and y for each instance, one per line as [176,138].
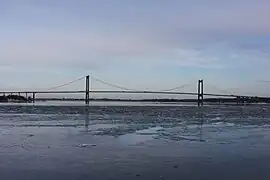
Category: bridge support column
[200,93]
[87,90]
[34,97]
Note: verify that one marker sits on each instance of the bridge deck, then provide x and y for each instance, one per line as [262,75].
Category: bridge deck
[117,92]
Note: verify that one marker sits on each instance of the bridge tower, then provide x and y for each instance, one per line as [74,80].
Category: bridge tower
[200,92]
[87,90]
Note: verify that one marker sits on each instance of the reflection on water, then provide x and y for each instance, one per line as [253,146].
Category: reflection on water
[86,109]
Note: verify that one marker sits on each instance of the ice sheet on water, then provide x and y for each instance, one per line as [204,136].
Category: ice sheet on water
[175,123]
[220,124]
[120,130]
[140,136]
[150,131]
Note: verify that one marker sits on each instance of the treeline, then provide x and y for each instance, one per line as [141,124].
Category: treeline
[13,98]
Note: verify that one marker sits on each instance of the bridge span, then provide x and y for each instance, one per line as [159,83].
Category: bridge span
[200,92]
[117,92]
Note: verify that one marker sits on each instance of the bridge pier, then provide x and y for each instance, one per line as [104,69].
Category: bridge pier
[34,97]
[87,90]
[200,93]
[240,100]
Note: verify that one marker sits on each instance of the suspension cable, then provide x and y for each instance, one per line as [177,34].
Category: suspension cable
[175,88]
[112,85]
[62,85]
[219,89]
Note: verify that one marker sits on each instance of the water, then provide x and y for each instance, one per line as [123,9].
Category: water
[134,141]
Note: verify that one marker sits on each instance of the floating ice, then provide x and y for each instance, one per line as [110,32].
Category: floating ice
[87,145]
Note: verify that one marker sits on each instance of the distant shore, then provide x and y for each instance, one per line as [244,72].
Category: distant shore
[209,100]
[16,98]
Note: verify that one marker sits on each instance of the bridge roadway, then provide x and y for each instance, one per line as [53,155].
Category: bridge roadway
[120,92]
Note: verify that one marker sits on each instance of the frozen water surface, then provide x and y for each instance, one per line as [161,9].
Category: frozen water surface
[142,141]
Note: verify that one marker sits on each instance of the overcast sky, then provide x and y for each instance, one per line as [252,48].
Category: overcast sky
[142,44]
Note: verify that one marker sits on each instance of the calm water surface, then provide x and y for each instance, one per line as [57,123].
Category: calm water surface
[134,141]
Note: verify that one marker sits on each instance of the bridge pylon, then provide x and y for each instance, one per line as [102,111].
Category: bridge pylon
[87,89]
[200,92]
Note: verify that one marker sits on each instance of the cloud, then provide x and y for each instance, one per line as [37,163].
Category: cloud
[91,50]
[92,34]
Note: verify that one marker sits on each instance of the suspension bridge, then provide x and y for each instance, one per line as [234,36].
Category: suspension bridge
[123,90]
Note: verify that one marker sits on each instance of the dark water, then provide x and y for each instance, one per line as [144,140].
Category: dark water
[134,142]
